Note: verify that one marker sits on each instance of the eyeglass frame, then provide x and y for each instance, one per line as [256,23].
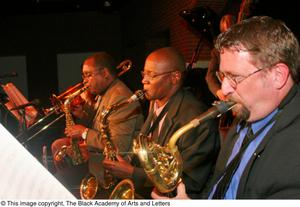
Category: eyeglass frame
[152,77]
[89,75]
[233,80]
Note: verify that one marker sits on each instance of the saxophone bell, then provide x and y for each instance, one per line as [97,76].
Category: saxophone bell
[163,164]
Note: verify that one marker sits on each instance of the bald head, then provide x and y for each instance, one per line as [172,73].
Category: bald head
[168,58]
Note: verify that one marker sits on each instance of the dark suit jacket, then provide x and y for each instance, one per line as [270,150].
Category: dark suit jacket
[198,146]
[273,171]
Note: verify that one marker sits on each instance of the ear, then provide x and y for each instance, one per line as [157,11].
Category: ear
[105,73]
[176,77]
[280,75]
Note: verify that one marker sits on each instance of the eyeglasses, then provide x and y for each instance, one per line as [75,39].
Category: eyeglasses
[88,75]
[153,76]
[234,80]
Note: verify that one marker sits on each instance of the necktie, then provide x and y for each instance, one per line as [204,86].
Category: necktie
[156,127]
[233,165]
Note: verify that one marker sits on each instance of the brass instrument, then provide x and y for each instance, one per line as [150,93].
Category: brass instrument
[124,66]
[124,190]
[63,102]
[74,153]
[58,100]
[163,164]
[89,185]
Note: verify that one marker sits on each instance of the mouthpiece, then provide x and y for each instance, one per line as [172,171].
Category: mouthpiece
[223,106]
[138,95]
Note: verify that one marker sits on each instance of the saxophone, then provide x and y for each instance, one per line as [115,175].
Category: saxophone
[72,151]
[163,164]
[89,185]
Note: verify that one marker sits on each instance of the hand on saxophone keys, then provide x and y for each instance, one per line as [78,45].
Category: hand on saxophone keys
[181,193]
[120,168]
[75,131]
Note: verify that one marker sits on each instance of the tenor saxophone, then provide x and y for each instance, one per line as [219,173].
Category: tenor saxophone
[73,151]
[163,164]
[89,185]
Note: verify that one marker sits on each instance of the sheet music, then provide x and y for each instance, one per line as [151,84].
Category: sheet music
[22,176]
[16,98]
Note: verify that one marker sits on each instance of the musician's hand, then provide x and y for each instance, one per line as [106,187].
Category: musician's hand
[75,131]
[181,193]
[120,168]
[77,111]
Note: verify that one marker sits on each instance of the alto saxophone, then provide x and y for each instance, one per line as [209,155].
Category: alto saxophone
[72,151]
[163,164]
[89,185]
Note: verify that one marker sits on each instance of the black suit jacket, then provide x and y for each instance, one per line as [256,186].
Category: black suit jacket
[198,147]
[273,172]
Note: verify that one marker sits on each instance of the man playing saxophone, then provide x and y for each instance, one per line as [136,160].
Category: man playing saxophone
[174,107]
[100,76]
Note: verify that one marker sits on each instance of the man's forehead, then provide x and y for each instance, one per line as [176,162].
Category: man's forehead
[152,65]
[87,67]
[234,58]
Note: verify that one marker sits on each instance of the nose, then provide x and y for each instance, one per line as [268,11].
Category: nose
[145,80]
[226,87]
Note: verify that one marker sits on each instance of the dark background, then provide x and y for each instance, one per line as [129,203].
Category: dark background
[41,29]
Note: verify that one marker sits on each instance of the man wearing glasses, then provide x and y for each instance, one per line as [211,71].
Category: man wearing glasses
[172,107]
[99,74]
[259,70]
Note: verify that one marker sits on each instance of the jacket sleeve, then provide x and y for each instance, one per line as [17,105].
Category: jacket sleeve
[199,149]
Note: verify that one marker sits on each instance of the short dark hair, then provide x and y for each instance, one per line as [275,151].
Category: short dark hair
[104,60]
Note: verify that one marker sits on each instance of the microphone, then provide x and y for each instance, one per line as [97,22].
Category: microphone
[31,103]
[9,75]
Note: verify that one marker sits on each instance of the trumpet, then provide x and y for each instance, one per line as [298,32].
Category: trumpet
[163,164]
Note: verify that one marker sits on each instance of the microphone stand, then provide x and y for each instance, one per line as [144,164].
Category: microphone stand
[23,125]
[196,54]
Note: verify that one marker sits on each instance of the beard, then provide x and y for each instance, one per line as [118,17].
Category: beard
[241,112]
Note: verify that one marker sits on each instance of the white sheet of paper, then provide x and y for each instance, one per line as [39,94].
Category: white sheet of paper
[24,177]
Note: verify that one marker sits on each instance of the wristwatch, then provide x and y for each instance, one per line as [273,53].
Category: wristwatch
[84,133]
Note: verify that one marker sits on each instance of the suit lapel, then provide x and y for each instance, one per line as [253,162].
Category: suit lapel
[167,126]
[147,123]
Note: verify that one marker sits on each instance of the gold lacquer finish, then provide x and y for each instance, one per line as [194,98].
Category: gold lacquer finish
[163,164]
[109,152]
[72,151]
[124,190]
[89,187]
